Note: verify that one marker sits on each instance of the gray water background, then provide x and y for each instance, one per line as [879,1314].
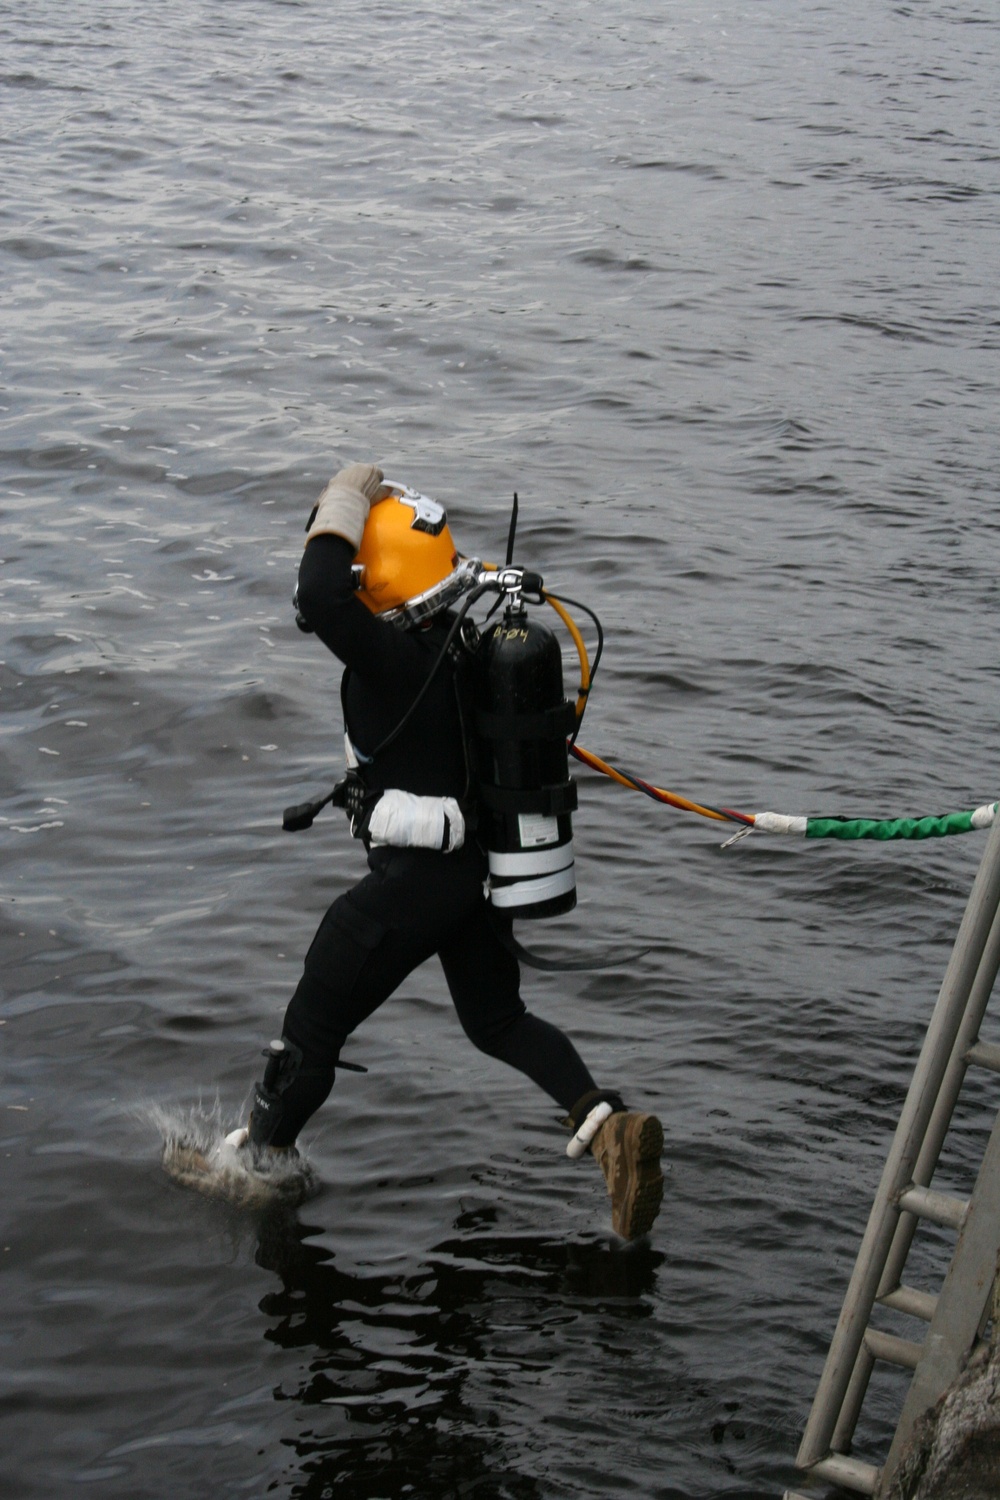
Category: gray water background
[714,287]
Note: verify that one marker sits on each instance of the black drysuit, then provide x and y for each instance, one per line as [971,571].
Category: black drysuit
[414,902]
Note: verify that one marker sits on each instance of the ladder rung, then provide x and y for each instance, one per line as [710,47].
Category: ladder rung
[895,1350]
[908,1300]
[985,1055]
[941,1208]
[849,1472]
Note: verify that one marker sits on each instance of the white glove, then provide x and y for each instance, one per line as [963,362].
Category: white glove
[343,507]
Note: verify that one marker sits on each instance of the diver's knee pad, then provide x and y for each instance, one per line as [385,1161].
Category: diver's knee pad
[284,1060]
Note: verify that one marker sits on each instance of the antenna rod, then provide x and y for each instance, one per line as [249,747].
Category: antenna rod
[511,533]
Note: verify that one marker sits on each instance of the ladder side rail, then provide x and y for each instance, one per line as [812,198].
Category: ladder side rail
[940,1120]
[854,1399]
[932,1063]
[923,1172]
[962,1304]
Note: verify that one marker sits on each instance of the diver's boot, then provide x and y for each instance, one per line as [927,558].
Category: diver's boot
[233,1168]
[627,1146]
[244,1166]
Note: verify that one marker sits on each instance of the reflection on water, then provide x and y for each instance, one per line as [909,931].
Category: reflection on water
[391,1358]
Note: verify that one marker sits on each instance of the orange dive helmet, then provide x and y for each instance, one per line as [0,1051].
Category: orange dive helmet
[407,568]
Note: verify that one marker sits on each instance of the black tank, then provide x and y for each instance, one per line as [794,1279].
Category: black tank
[527,794]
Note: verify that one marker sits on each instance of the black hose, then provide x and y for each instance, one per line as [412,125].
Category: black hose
[456,625]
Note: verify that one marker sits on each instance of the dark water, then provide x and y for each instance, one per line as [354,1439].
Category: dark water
[714,287]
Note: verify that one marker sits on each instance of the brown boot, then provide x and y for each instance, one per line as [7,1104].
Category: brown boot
[231,1168]
[627,1148]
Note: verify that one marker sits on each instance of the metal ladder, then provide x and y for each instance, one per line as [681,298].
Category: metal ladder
[958,1314]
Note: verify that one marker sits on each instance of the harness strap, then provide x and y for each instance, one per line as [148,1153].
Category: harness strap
[605,960]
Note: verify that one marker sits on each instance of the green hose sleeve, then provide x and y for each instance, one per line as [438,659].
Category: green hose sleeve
[892,828]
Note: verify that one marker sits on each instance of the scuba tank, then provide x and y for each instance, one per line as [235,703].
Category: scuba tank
[526,794]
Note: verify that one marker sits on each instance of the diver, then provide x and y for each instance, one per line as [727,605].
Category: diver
[380,597]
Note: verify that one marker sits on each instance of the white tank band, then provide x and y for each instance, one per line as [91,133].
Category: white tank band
[532,861]
[588,1129]
[526,892]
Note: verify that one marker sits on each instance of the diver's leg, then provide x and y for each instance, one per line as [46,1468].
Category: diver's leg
[484,978]
[368,942]
[356,960]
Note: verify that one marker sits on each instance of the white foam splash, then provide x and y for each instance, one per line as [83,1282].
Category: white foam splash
[197,1154]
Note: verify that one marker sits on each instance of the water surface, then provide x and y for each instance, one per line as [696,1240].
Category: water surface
[714,289]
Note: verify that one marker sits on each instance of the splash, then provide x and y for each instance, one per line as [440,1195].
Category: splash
[202,1151]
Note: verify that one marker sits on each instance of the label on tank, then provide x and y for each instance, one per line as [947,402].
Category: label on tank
[534,830]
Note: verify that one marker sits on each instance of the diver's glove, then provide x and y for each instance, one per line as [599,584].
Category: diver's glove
[343,507]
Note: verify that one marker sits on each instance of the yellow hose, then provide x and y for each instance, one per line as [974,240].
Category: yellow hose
[672,799]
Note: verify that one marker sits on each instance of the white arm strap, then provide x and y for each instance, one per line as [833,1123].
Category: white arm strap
[406,821]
